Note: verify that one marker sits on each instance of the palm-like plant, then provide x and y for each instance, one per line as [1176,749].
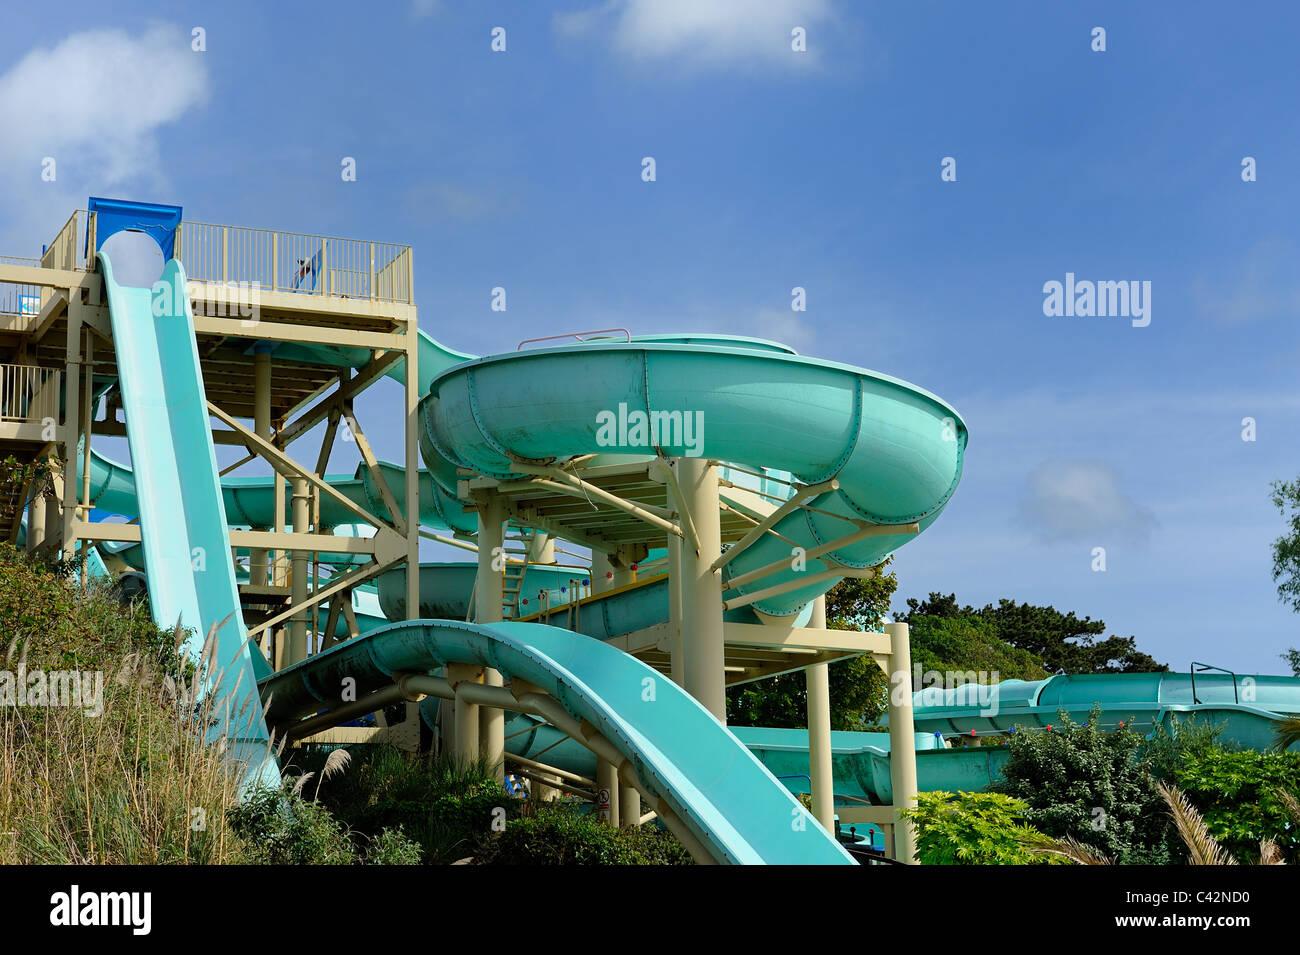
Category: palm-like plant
[1202,848]
[1287,733]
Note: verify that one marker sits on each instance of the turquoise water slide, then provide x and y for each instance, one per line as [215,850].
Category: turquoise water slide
[704,785]
[894,451]
[1249,707]
[182,518]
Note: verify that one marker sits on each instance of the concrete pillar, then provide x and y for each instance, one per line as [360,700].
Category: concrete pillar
[629,806]
[817,678]
[607,781]
[902,738]
[298,623]
[36,522]
[602,572]
[702,653]
[466,728]
[257,558]
[487,609]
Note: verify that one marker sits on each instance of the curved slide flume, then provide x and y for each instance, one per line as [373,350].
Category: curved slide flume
[703,782]
[895,450]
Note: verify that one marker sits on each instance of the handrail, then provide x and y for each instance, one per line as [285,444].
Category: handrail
[577,335]
[1206,666]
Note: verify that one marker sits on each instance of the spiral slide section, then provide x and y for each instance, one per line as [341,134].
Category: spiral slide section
[894,450]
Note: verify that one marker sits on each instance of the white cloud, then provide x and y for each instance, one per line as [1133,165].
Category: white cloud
[785,326]
[703,32]
[1082,500]
[424,8]
[1261,285]
[94,103]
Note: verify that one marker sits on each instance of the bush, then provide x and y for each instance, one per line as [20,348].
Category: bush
[1237,794]
[281,828]
[442,804]
[1080,782]
[975,829]
[560,834]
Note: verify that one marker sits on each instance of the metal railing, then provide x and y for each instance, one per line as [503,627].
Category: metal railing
[71,248]
[19,303]
[29,393]
[294,262]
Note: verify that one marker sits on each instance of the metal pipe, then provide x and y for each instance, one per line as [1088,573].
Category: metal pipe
[298,623]
[346,711]
[257,557]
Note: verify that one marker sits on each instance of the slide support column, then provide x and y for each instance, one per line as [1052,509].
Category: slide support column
[257,566]
[902,739]
[817,678]
[487,609]
[298,623]
[702,632]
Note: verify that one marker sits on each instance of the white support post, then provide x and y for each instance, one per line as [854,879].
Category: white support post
[703,655]
[902,738]
[629,806]
[817,678]
[298,623]
[257,557]
[607,785]
[487,609]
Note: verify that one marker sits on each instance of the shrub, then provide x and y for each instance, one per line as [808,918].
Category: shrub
[440,803]
[283,828]
[975,829]
[1081,783]
[1238,795]
[560,834]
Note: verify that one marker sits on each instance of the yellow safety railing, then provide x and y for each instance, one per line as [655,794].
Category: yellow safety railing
[70,247]
[29,393]
[294,262]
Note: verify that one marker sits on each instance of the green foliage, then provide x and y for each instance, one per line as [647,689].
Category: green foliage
[975,829]
[1080,782]
[394,847]
[443,805]
[1292,657]
[1286,549]
[559,834]
[1059,641]
[859,688]
[1237,794]
[968,643]
[70,626]
[285,829]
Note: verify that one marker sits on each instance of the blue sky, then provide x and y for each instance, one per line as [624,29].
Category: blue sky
[522,169]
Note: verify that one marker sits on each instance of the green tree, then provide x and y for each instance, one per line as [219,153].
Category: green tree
[859,688]
[1060,641]
[969,644]
[1286,549]
[1292,658]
